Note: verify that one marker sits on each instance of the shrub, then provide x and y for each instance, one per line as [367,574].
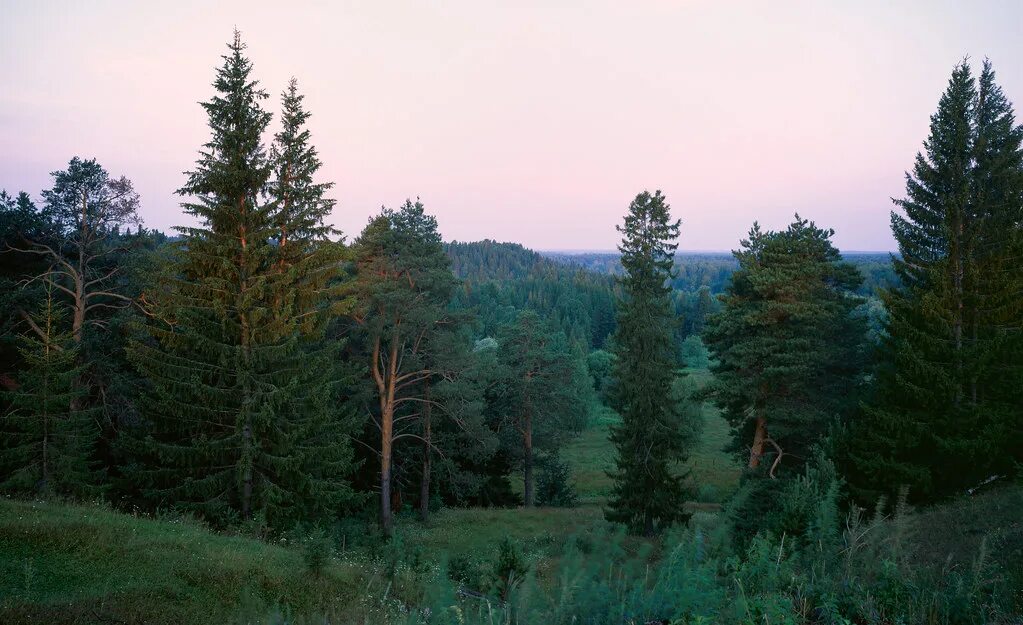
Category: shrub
[509,569]
[554,485]
[316,552]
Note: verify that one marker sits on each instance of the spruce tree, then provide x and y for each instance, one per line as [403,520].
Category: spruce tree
[47,444]
[650,443]
[946,413]
[241,402]
[788,348]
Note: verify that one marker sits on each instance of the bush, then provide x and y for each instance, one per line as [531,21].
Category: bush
[554,485]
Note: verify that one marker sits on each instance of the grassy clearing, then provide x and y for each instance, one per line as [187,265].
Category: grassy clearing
[590,456]
[88,564]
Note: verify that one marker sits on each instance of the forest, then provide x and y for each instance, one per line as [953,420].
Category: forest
[257,418]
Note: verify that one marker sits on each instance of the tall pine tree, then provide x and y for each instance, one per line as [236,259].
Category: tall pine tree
[242,398]
[946,411]
[789,351]
[402,285]
[650,443]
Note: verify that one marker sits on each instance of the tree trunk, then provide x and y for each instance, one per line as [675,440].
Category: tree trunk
[759,436]
[527,461]
[387,436]
[424,492]
[46,452]
[386,431]
[247,471]
[648,523]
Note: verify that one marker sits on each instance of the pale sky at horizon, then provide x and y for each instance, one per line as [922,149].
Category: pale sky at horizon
[534,122]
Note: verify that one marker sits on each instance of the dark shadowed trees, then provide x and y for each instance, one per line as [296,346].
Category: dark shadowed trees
[651,442]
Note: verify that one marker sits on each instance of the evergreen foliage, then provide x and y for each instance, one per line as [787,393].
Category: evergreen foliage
[500,279]
[402,285]
[946,413]
[546,392]
[243,423]
[788,348]
[650,442]
[48,443]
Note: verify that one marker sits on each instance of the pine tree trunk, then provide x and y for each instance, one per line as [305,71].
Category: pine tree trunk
[386,427]
[759,437]
[424,492]
[527,462]
[387,438]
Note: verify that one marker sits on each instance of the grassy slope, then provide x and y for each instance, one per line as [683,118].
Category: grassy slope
[88,564]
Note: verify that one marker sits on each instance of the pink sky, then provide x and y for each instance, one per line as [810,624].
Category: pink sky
[532,121]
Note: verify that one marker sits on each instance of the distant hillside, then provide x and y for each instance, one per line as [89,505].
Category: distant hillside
[502,278]
[713,269]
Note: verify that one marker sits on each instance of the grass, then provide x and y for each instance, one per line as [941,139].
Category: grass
[713,470]
[590,456]
[88,564]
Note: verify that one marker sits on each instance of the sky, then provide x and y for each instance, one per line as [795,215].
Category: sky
[534,121]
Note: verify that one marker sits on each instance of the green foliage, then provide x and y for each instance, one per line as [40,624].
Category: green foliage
[48,438]
[241,417]
[788,349]
[946,413]
[316,552]
[66,563]
[402,286]
[651,440]
[509,570]
[554,486]
[600,363]
[694,353]
[546,392]
[500,279]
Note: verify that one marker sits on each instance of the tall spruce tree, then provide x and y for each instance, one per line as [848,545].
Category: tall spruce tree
[650,443]
[242,393]
[48,444]
[946,412]
[789,350]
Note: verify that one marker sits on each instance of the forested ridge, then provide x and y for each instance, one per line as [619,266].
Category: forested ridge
[259,419]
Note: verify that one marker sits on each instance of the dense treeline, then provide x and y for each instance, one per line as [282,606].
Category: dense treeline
[261,373]
[713,270]
[257,372]
[500,278]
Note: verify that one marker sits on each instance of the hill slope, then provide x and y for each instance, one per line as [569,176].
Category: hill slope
[88,564]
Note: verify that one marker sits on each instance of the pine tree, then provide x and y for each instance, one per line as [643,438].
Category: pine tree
[788,347]
[543,391]
[47,445]
[242,399]
[943,417]
[648,493]
[402,287]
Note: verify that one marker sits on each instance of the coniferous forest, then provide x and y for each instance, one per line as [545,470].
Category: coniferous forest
[257,418]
